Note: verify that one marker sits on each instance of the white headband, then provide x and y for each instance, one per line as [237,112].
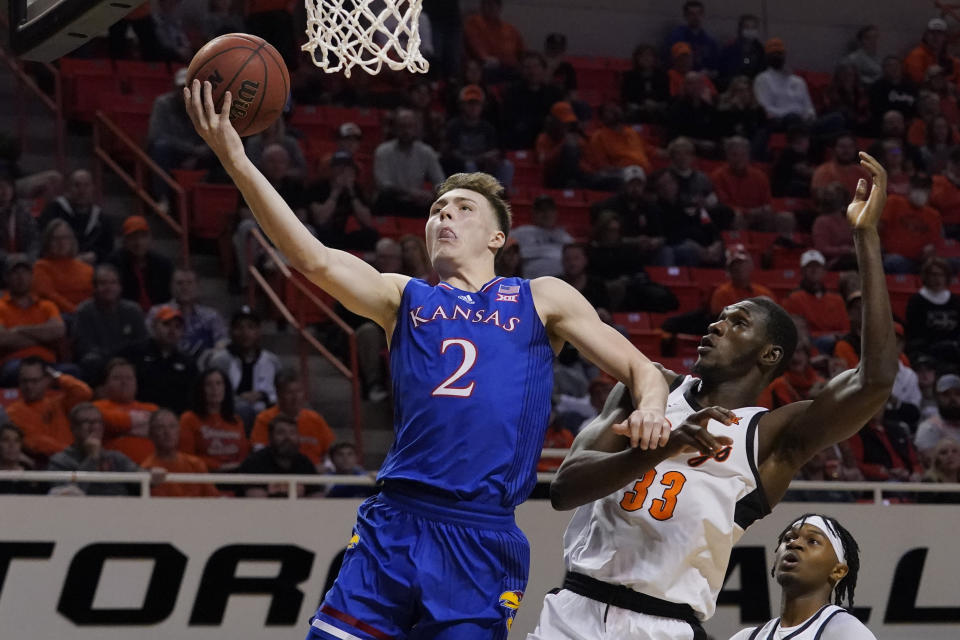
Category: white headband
[828,531]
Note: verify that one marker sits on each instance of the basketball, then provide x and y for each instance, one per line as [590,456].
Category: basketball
[252,71]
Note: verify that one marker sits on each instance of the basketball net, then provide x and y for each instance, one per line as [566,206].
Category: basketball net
[343,34]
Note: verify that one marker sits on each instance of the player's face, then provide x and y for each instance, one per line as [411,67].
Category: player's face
[734,342]
[805,558]
[461,226]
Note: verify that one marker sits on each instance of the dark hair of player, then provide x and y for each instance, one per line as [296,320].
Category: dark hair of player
[781,331]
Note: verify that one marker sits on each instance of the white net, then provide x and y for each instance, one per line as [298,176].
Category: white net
[343,34]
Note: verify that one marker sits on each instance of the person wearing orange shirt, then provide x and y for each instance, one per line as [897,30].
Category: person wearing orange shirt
[316,436]
[800,382]
[738,287]
[843,168]
[681,55]
[125,420]
[824,312]
[746,190]
[945,190]
[58,275]
[490,39]
[911,230]
[41,411]
[211,430]
[930,51]
[165,435]
[616,145]
[562,149]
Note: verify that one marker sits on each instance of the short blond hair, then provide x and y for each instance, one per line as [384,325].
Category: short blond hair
[487,186]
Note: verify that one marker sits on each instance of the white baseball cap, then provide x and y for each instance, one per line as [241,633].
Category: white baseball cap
[634,172]
[937,24]
[812,255]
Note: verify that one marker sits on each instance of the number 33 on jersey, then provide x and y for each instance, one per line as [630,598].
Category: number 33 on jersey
[478,369]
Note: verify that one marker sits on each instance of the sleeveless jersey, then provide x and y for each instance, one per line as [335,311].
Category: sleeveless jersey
[669,533]
[844,626]
[472,381]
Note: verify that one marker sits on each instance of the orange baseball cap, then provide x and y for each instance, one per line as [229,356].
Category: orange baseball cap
[133,224]
[680,49]
[563,112]
[471,92]
[775,45]
[167,313]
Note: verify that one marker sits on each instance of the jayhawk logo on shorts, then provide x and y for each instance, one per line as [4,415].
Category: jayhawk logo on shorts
[354,541]
[510,600]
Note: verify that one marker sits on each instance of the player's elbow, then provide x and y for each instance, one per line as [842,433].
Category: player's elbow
[560,498]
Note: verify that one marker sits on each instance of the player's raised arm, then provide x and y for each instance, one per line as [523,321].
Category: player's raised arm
[568,316]
[792,434]
[356,284]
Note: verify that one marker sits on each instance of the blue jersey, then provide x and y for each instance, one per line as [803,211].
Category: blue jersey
[472,380]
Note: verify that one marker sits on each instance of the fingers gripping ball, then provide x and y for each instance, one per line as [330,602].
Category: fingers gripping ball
[254,74]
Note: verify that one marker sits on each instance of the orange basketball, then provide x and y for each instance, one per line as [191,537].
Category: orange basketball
[254,73]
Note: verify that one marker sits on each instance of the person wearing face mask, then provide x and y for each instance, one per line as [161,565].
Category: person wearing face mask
[783,95]
[911,228]
[744,55]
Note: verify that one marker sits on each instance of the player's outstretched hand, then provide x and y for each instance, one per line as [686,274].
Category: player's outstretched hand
[215,128]
[646,429]
[693,436]
[867,206]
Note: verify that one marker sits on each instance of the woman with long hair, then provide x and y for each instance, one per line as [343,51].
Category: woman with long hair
[58,275]
[211,430]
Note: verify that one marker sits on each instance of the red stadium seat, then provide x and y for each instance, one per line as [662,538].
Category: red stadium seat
[707,279]
[688,295]
[213,207]
[686,345]
[669,275]
[633,322]
[84,81]
[678,365]
[131,113]
[145,79]
[648,342]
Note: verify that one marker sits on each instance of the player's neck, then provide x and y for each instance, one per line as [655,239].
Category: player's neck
[467,277]
[796,608]
[730,393]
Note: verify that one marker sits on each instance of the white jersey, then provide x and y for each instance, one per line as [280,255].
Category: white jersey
[829,623]
[669,534]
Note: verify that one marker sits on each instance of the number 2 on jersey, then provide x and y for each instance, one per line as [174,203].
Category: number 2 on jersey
[660,508]
[446,387]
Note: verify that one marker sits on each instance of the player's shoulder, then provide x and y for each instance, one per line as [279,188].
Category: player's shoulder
[744,634]
[843,625]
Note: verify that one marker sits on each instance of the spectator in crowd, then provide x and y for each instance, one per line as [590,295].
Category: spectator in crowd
[541,243]
[210,430]
[59,276]
[611,258]
[277,133]
[562,148]
[928,109]
[695,191]
[12,459]
[106,324]
[739,113]
[431,120]
[165,436]
[85,217]
[221,17]
[18,230]
[145,274]
[280,456]
[172,141]
[575,263]
[251,368]
[824,312]
[640,222]
[931,50]
[801,381]
[864,58]
[906,399]
[738,287]
[472,143]
[645,89]
[911,229]
[203,326]
[29,326]
[527,102]
[829,465]
[844,167]
[926,369]
[87,453]
[705,48]
[793,169]
[349,137]
[946,422]
[555,53]
[337,198]
[848,98]
[277,167]
[343,459]
[401,166]
[893,127]
[690,230]
[945,192]
[46,398]
[472,74]
[681,68]
[168,25]
[783,95]
[557,436]
[944,466]
[883,451]
[313,433]
[938,82]
[125,419]
[416,259]
[744,55]
[847,348]
[892,91]
[940,142]
[509,264]
[492,40]
[933,314]
[832,235]
[274,22]
[165,374]
[614,146]
[746,190]
[446,25]
[898,178]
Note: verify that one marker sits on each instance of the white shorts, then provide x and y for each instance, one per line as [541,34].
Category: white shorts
[570,616]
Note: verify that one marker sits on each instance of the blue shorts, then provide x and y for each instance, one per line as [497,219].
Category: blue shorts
[417,570]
